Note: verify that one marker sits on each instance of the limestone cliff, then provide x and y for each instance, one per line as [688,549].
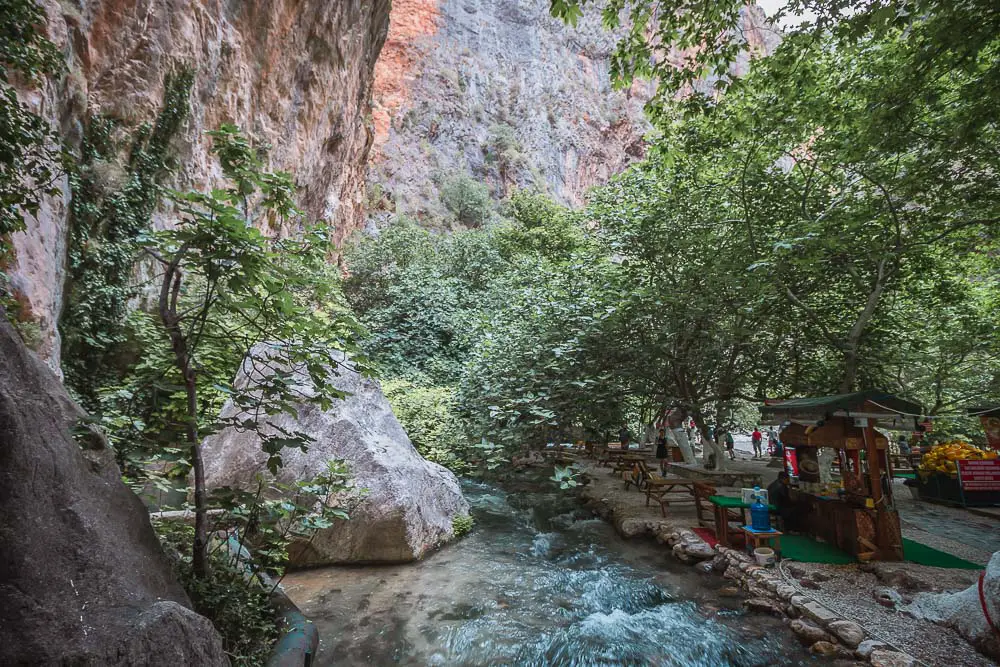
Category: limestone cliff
[504,92]
[294,74]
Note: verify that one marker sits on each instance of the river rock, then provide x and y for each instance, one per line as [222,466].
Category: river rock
[705,567]
[887,597]
[828,650]
[699,550]
[409,503]
[963,610]
[82,577]
[851,634]
[808,632]
[865,648]
[764,606]
[883,658]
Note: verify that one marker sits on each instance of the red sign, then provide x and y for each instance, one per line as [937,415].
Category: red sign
[992,427]
[980,475]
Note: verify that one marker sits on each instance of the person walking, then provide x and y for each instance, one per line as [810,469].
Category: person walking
[772,441]
[662,451]
[624,437]
[756,439]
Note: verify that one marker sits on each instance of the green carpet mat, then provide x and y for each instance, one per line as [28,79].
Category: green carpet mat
[904,475]
[922,554]
[807,550]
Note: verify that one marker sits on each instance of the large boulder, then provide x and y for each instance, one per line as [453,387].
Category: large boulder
[964,610]
[409,503]
[83,580]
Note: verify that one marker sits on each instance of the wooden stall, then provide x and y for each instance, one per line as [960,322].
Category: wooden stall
[853,510]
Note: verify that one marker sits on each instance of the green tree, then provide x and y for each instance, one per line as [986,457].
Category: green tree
[232,297]
[467,199]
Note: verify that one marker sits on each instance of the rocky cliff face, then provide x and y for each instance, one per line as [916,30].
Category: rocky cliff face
[294,74]
[500,90]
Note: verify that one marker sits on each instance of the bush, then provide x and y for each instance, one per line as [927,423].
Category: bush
[462,524]
[467,199]
[240,610]
[429,415]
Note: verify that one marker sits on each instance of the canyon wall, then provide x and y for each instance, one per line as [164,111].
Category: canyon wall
[501,91]
[294,74]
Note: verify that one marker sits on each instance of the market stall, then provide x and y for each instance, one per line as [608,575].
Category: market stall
[854,508]
[958,473]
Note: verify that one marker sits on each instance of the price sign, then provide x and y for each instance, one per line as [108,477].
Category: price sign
[979,475]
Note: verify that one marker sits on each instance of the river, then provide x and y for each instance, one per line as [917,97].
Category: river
[537,582]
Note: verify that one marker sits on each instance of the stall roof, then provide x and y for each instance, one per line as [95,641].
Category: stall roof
[984,411]
[875,404]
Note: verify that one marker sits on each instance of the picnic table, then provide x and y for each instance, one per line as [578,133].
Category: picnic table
[724,506]
[658,487]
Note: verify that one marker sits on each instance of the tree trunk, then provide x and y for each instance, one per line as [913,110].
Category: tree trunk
[169,292]
[199,557]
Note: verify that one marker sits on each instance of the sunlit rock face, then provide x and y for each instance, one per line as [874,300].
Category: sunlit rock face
[294,74]
[456,76]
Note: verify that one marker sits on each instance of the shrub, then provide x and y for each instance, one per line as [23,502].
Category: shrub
[429,415]
[462,524]
[467,199]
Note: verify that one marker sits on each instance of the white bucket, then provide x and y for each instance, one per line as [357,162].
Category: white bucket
[764,555]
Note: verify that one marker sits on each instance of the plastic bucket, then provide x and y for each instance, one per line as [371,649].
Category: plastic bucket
[764,556]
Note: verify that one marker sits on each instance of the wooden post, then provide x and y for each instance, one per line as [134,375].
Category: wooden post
[874,465]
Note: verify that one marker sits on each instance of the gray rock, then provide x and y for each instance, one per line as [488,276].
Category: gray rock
[851,634]
[887,597]
[82,577]
[865,648]
[818,613]
[700,551]
[705,567]
[809,633]
[764,606]
[882,658]
[410,503]
[785,592]
[963,610]
[829,650]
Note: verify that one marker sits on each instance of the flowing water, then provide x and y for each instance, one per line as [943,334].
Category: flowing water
[538,582]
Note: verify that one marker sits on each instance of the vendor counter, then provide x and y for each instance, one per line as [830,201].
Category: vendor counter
[862,532]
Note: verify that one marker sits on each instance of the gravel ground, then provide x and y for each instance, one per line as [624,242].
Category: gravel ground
[848,591]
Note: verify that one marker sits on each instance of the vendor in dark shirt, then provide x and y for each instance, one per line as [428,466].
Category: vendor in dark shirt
[779,496]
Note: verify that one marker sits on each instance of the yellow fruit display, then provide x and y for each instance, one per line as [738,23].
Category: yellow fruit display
[942,458]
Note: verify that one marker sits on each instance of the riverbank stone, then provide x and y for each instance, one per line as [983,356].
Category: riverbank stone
[851,634]
[83,579]
[809,632]
[883,658]
[404,506]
